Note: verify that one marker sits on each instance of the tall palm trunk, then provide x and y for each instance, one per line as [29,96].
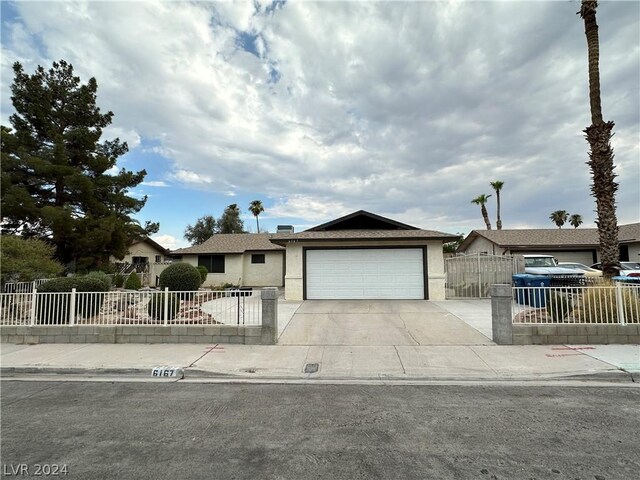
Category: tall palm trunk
[257,224]
[498,219]
[598,134]
[485,216]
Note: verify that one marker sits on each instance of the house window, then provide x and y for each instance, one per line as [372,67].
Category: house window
[158,258]
[213,263]
[257,258]
[139,260]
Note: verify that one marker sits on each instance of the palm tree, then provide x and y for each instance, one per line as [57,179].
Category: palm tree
[481,200]
[559,217]
[256,208]
[598,134]
[575,220]
[497,186]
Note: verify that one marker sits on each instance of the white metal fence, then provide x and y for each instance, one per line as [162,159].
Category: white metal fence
[237,307]
[619,304]
[23,287]
[471,276]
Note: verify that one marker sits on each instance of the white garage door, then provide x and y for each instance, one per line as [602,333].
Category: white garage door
[396,273]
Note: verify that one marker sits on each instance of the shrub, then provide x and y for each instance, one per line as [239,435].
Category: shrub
[203,273]
[118,280]
[558,305]
[24,260]
[156,306]
[103,277]
[133,282]
[180,277]
[599,304]
[55,308]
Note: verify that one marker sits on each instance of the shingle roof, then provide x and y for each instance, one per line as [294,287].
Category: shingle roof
[232,243]
[550,237]
[363,235]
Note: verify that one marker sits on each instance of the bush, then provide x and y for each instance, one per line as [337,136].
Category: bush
[558,306]
[599,304]
[55,308]
[180,277]
[203,273]
[133,282]
[25,260]
[103,277]
[118,280]
[156,306]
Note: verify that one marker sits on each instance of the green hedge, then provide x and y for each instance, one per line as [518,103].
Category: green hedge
[54,309]
[156,306]
[203,273]
[180,277]
[133,282]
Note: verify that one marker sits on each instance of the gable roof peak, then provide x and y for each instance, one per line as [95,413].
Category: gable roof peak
[362,220]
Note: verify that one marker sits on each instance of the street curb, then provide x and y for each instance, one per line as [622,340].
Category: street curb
[8,372]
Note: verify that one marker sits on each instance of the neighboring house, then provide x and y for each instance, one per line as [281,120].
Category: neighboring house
[579,245]
[146,251]
[245,259]
[364,256]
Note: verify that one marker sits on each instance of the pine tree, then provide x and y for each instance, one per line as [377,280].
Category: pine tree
[54,180]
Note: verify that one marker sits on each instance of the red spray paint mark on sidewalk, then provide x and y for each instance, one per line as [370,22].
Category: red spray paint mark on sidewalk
[562,354]
[573,348]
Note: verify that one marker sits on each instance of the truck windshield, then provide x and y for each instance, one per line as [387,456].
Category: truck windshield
[539,262]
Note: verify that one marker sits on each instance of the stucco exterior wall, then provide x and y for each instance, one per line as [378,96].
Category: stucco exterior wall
[267,274]
[239,269]
[232,270]
[142,249]
[435,263]
[483,245]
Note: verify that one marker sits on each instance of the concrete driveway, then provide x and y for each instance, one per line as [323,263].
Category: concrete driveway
[377,322]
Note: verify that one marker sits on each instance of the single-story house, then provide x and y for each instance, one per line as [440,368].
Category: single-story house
[567,244]
[364,256]
[144,252]
[245,259]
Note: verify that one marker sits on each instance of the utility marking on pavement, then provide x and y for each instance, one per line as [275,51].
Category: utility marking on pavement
[311,368]
[573,348]
[562,354]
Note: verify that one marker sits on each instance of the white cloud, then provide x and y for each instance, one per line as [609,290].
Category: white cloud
[191,177]
[170,242]
[155,183]
[406,108]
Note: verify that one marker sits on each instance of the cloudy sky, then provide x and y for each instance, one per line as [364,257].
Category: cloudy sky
[319,109]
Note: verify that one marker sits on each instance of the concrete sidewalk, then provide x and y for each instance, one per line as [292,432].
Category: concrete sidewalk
[474,362]
[388,361]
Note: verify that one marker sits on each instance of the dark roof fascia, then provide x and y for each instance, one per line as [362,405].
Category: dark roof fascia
[323,226]
[285,241]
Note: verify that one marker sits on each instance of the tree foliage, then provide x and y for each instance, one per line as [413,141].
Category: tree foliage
[25,260]
[575,220]
[256,208]
[559,217]
[55,184]
[230,221]
[204,228]
[451,247]
[482,200]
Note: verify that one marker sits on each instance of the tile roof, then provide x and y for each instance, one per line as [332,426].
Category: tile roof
[232,243]
[551,237]
[364,234]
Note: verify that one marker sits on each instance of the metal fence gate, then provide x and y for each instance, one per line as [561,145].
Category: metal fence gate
[471,276]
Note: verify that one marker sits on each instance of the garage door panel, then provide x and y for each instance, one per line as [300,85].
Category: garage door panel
[365,274]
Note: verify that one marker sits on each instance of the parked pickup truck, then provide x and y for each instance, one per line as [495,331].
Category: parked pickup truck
[548,266]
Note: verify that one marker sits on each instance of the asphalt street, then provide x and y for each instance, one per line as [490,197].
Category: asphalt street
[181,430]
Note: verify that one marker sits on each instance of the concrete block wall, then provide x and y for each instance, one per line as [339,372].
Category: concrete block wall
[246,335]
[576,334]
[505,332]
